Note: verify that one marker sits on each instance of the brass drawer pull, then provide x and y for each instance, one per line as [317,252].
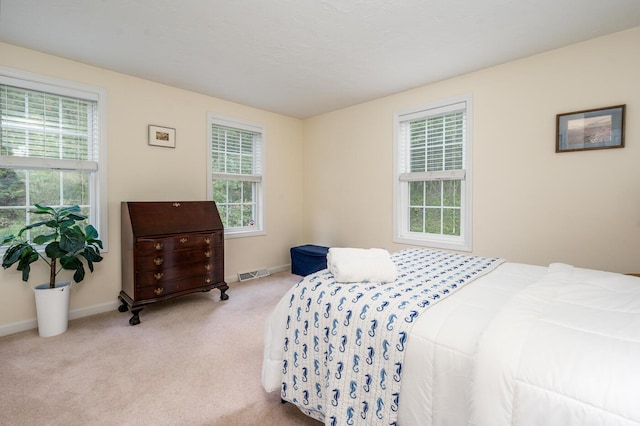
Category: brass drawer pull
[158,275]
[183,240]
[207,253]
[158,261]
[207,240]
[207,267]
[207,280]
[159,246]
[176,204]
[158,291]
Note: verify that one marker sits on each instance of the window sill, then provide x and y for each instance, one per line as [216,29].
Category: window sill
[435,244]
[242,234]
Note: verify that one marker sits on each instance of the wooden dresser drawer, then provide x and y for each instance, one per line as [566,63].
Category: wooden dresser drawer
[148,246]
[170,288]
[165,260]
[149,278]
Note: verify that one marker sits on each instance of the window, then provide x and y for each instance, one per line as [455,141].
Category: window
[236,178]
[432,179]
[50,148]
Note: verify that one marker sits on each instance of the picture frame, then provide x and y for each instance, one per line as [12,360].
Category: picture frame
[162,136]
[600,128]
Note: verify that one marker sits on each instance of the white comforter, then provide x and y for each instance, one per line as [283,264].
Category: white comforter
[564,351]
[519,346]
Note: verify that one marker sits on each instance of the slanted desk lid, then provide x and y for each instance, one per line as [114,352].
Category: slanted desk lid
[160,218]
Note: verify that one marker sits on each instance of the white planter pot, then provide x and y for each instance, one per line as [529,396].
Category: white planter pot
[52,306]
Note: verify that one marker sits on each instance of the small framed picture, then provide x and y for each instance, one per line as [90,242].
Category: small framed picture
[600,128]
[162,136]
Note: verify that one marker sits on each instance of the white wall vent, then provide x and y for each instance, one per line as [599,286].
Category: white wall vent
[244,276]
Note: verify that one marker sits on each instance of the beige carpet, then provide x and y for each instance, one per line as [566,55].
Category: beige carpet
[194,360]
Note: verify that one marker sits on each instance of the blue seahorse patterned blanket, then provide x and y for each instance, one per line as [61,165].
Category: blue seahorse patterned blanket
[344,344]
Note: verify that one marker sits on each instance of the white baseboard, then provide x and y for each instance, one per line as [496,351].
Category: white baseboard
[30,324]
[282,268]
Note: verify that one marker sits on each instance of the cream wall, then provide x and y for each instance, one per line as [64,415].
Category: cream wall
[137,171]
[529,203]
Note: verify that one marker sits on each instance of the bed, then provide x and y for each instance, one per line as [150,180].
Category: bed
[515,344]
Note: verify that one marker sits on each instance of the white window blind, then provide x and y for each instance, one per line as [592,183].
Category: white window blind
[236,152]
[42,130]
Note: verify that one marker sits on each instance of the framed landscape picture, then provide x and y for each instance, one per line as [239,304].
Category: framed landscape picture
[162,136]
[600,128]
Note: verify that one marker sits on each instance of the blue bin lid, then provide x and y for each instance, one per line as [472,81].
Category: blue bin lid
[312,250]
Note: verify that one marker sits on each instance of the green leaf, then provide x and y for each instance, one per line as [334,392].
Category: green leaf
[7,239]
[53,251]
[41,239]
[73,263]
[40,209]
[91,255]
[17,253]
[90,232]
[72,240]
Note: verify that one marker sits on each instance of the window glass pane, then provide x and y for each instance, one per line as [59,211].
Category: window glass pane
[451,193]
[12,187]
[433,220]
[247,192]
[451,222]
[248,219]
[75,188]
[222,209]
[85,211]
[234,216]
[434,193]
[12,220]
[416,193]
[235,192]
[416,219]
[44,187]
[220,192]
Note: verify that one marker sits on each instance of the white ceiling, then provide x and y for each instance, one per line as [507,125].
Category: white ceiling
[305,57]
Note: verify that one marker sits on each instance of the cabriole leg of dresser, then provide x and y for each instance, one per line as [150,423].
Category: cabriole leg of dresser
[135,316]
[223,292]
[124,307]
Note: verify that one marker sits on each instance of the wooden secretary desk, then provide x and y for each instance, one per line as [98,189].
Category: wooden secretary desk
[169,249]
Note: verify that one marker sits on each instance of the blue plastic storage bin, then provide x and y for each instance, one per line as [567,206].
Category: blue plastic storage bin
[308,259]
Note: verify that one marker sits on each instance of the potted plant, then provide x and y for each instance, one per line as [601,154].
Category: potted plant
[66,244]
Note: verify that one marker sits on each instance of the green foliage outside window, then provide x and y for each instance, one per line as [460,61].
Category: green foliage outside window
[55,188]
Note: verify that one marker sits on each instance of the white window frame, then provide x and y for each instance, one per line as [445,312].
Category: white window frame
[402,177]
[98,181]
[220,120]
